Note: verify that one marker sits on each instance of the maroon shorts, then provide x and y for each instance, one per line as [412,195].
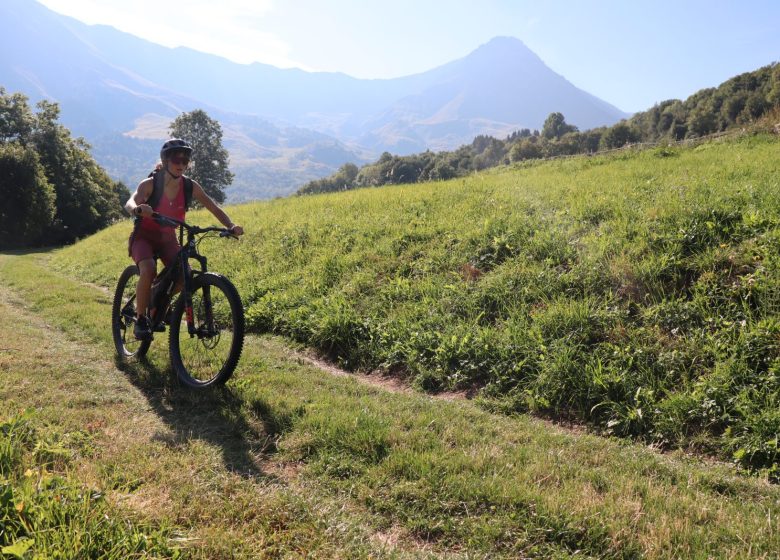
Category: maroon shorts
[144,244]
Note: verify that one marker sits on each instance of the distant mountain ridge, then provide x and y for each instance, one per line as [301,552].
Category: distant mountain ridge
[497,89]
[282,127]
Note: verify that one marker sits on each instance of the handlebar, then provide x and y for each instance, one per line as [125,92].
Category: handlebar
[192,230]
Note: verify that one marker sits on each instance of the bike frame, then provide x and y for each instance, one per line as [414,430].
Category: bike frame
[189,250]
[207,320]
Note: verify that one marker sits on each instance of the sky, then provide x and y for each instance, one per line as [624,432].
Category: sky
[630,53]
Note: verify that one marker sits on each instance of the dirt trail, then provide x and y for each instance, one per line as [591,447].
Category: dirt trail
[389,383]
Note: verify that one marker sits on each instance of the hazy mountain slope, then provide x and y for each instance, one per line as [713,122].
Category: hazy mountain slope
[43,58]
[500,87]
[282,127]
[255,88]
[125,114]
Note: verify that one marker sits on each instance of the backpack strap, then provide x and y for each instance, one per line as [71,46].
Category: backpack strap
[187,193]
[158,185]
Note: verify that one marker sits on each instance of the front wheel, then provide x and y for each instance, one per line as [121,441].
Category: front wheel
[209,355]
[123,317]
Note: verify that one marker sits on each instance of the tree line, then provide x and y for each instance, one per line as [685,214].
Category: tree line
[52,190]
[737,102]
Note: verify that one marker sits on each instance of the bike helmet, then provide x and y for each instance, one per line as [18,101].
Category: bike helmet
[175,145]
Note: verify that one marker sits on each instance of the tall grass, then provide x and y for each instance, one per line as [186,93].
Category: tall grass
[46,513]
[638,292]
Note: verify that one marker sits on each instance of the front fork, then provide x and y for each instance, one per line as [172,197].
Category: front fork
[192,329]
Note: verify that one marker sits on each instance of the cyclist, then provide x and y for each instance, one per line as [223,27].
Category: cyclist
[149,237]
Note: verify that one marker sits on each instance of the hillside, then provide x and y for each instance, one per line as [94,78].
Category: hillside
[290,460]
[636,292]
[747,101]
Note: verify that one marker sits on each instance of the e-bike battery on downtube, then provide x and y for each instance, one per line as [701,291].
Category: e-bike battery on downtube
[191,330]
[188,306]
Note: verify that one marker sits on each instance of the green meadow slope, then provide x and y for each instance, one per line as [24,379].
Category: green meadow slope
[638,292]
[288,461]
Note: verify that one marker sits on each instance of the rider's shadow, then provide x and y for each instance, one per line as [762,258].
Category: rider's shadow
[245,432]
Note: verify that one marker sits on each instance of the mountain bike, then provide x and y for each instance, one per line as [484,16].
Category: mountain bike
[206,320]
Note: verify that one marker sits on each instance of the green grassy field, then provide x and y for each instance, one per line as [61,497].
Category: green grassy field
[289,461]
[636,292]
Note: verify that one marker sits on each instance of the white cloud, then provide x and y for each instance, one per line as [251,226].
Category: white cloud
[229,28]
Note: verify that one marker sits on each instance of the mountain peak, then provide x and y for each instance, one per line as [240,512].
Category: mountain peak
[504,42]
[504,45]
[111,84]
[506,52]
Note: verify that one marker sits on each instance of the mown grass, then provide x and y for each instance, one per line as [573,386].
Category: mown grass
[197,464]
[638,292]
[368,473]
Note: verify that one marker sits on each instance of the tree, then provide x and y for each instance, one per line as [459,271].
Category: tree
[346,175]
[492,153]
[209,165]
[519,135]
[16,118]
[733,107]
[28,199]
[590,140]
[701,121]
[755,106]
[369,176]
[773,95]
[80,194]
[555,126]
[342,180]
[86,197]
[568,144]
[618,136]
[525,149]
[441,170]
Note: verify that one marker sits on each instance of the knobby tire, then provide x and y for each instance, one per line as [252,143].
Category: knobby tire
[123,317]
[209,357]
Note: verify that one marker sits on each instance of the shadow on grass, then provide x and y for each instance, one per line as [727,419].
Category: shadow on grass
[246,432]
[27,251]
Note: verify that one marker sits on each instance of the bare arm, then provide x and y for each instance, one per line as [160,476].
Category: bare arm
[138,199]
[208,203]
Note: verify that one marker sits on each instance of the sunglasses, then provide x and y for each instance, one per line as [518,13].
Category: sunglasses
[180,160]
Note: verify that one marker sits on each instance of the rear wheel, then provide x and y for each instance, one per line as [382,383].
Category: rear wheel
[209,355]
[123,317]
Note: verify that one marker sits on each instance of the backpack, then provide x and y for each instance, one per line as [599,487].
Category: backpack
[157,192]
[159,184]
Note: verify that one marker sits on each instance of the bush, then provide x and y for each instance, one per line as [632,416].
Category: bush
[28,199]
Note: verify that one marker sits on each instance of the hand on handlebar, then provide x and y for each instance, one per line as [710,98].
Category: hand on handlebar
[144,210]
[233,232]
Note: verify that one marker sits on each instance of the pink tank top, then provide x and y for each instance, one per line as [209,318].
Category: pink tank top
[167,207]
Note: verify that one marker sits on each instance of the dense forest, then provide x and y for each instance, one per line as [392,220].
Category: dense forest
[53,191]
[737,102]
